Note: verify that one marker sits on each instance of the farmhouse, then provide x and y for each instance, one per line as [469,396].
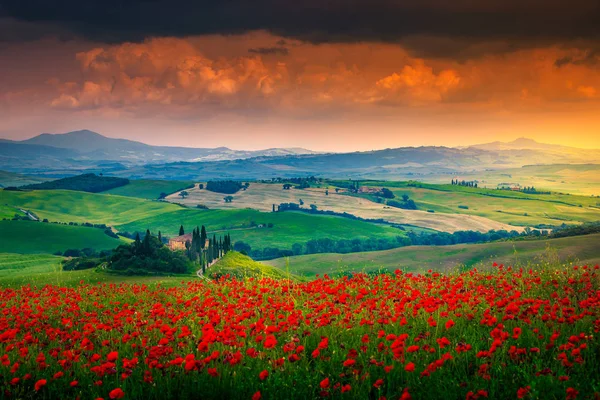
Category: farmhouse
[369,189]
[178,242]
[509,186]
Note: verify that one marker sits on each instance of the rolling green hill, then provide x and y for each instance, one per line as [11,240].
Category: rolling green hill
[71,206]
[44,269]
[288,228]
[29,237]
[149,189]
[240,266]
[577,250]
[13,179]
[514,208]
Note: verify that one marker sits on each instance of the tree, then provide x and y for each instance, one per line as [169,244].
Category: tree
[286,186]
[183,194]
[181,231]
[201,186]
[203,237]
[301,202]
[297,249]
[405,197]
[228,199]
[242,247]
[326,192]
[313,207]
[162,195]
[137,244]
[337,190]
[273,207]
[146,245]
[160,238]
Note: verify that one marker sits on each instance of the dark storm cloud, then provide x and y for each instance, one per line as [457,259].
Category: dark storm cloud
[523,23]
[591,58]
[265,51]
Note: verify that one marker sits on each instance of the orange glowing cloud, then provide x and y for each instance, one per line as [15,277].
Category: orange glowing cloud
[176,74]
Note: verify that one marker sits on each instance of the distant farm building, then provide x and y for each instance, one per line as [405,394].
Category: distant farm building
[369,189]
[178,242]
[509,186]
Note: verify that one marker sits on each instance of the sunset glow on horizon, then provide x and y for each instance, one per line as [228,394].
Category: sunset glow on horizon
[257,88]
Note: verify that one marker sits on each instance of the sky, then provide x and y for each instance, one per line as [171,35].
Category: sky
[337,75]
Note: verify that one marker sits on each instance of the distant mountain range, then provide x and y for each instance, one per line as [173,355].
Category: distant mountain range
[59,155]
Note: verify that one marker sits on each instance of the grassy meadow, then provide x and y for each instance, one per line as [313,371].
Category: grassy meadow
[30,237]
[577,250]
[576,179]
[148,189]
[72,206]
[288,227]
[44,269]
[513,208]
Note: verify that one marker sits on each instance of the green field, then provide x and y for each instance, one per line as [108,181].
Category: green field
[43,269]
[576,250]
[29,237]
[241,266]
[8,211]
[13,179]
[129,214]
[514,208]
[71,206]
[149,189]
[582,179]
[288,227]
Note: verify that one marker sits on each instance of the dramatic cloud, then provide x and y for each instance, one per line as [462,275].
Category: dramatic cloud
[465,22]
[175,76]
[269,51]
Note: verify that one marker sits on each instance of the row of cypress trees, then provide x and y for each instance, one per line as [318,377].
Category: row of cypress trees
[204,250]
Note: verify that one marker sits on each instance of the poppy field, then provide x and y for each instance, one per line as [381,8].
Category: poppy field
[497,334]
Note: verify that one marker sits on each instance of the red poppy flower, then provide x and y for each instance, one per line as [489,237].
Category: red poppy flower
[40,384]
[116,393]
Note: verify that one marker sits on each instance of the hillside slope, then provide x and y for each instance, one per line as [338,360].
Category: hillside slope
[238,265]
[571,250]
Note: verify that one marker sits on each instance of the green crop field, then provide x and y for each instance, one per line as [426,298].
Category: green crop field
[576,250]
[71,206]
[514,208]
[29,237]
[288,227]
[149,189]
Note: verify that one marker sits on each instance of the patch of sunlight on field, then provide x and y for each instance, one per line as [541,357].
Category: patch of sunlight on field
[263,196]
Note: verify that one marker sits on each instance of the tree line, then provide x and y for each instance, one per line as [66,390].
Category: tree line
[226,187]
[327,245]
[472,184]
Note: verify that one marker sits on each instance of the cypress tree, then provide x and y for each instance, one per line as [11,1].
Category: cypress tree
[215,247]
[137,244]
[181,231]
[147,242]
[203,237]
[160,238]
